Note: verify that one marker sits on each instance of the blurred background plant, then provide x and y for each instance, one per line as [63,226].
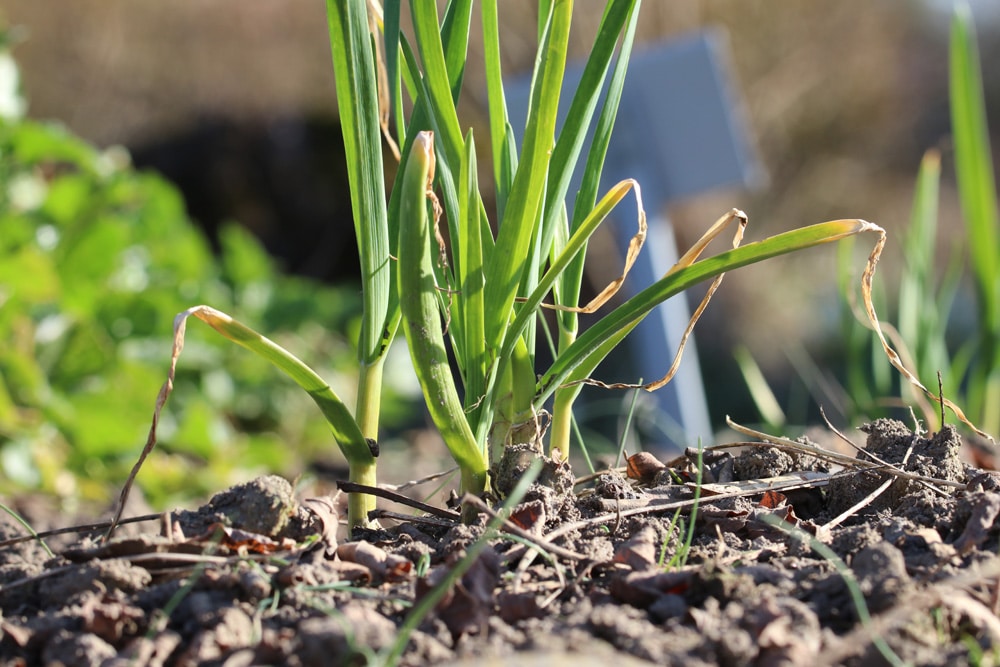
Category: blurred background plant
[96,258]
[947,313]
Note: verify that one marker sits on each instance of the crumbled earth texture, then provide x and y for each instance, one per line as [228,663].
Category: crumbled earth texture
[764,557]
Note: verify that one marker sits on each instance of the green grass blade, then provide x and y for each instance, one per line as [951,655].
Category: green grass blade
[569,146]
[917,323]
[422,321]
[573,276]
[391,14]
[760,391]
[976,188]
[507,263]
[974,166]
[857,339]
[470,281]
[437,82]
[357,99]
[455,31]
[28,527]
[592,346]
[497,104]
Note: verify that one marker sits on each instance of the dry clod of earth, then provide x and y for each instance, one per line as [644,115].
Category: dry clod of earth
[607,574]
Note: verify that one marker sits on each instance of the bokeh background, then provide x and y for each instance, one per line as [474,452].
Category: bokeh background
[233,101]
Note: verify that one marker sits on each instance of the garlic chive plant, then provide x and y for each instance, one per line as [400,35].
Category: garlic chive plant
[476,298]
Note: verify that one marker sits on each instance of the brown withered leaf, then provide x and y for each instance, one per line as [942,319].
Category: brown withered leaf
[644,467]
[530,516]
[467,607]
[639,551]
[641,589]
[383,565]
[326,510]
[728,521]
[772,499]
[985,510]
[243,541]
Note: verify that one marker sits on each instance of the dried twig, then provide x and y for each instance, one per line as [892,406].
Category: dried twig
[825,529]
[419,480]
[76,529]
[842,459]
[397,516]
[352,487]
[542,543]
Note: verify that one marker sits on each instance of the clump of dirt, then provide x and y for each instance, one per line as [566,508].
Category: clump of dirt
[625,571]
[518,457]
[891,442]
[263,505]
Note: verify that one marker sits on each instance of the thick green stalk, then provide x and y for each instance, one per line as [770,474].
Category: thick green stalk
[366,412]
[360,504]
[422,318]
[562,406]
[358,103]
[524,426]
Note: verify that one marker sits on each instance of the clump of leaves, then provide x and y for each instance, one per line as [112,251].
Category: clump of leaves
[490,289]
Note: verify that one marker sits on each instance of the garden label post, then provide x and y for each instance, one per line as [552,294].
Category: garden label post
[679,132]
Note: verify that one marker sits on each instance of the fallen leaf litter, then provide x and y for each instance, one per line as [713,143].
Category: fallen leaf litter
[257,576]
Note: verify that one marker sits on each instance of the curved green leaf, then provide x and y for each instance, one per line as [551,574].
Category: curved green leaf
[580,358]
[422,318]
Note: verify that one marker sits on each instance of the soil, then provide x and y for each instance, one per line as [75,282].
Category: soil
[792,560]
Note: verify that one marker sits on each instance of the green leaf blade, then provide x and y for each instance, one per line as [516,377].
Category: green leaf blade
[974,165]
[581,357]
[357,100]
[514,239]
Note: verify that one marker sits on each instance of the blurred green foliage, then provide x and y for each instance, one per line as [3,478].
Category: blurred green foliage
[948,310]
[96,259]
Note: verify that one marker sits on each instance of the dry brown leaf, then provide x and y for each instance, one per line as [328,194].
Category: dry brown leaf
[894,358]
[467,607]
[529,516]
[644,467]
[385,566]
[326,510]
[639,551]
[985,510]
[772,499]
[641,589]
